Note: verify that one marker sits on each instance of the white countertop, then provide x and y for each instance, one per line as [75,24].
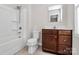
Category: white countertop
[63,28]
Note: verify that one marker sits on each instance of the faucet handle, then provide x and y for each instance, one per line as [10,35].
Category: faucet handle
[20,28]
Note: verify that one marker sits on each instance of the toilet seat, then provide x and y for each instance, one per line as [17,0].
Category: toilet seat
[31,42]
[32,45]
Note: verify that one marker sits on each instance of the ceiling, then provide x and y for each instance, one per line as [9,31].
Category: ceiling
[24,5]
[15,5]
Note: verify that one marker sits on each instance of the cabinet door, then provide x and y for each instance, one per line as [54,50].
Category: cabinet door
[49,43]
[64,49]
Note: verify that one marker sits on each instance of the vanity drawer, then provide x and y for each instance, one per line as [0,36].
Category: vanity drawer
[65,32]
[49,40]
[65,40]
[64,49]
[49,32]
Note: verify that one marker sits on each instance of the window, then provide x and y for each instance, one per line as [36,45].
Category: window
[77,19]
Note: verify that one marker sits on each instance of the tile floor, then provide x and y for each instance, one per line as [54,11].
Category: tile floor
[39,51]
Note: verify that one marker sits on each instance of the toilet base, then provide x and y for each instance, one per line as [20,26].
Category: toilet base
[32,49]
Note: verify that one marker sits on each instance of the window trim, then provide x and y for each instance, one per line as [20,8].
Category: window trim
[76,30]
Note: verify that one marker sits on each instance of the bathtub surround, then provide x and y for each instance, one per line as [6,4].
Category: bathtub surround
[9,41]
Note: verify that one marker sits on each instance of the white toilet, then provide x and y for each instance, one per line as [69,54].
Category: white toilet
[33,43]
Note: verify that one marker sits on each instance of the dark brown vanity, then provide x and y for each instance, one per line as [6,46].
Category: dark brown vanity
[57,41]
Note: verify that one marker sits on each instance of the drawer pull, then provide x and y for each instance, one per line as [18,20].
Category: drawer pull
[64,50]
[55,36]
[64,40]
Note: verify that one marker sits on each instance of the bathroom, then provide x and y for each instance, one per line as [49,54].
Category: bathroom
[22,26]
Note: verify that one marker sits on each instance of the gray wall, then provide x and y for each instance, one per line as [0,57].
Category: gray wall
[40,19]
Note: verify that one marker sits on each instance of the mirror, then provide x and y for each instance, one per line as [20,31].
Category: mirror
[55,13]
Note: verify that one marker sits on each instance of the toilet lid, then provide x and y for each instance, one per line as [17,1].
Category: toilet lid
[32,40]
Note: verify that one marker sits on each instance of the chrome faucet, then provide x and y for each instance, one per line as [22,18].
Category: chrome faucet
[54,27]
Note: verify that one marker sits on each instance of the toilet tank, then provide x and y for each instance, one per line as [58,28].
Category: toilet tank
[35,34]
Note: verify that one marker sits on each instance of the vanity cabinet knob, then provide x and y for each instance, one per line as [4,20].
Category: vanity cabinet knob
[64,50]
[64,40]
